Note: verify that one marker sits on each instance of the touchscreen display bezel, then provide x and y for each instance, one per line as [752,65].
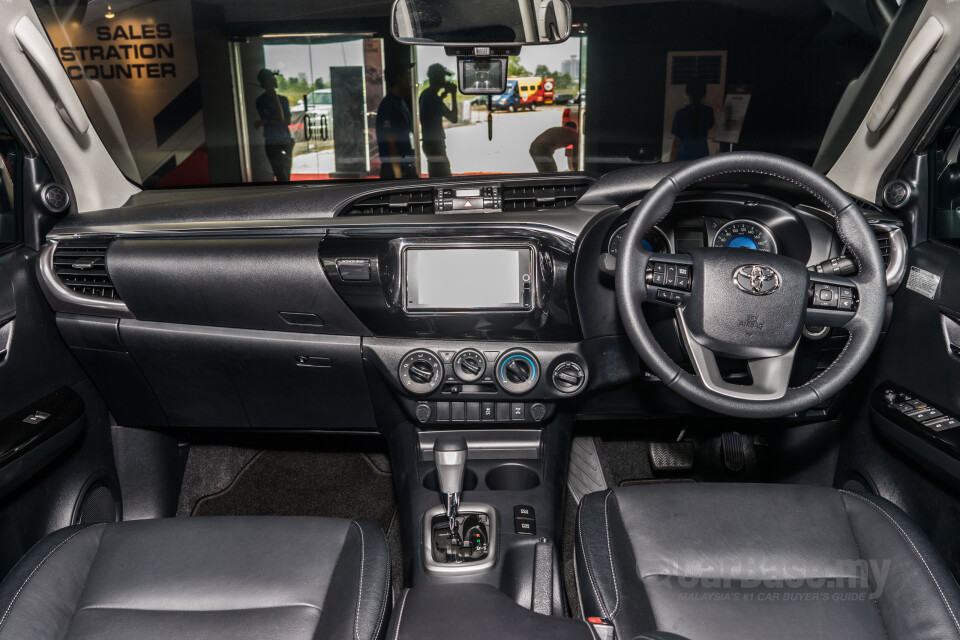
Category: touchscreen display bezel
[526,276]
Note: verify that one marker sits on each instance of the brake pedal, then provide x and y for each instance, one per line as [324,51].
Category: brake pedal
[734,450]
[671,456]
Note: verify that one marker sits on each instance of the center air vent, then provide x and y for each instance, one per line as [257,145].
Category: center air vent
[81,266]
[415,201]
[530,197]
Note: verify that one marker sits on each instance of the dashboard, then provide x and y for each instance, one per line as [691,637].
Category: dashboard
[460,301]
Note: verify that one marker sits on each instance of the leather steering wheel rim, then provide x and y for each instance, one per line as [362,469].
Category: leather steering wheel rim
[864,327]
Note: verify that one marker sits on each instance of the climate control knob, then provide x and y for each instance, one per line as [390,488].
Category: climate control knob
[569,377]
[469,365]
[420,371]
[518,371]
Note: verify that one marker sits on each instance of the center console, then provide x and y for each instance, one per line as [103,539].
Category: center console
[476,349]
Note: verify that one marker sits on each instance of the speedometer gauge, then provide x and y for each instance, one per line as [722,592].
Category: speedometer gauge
[745,234]
[656,241]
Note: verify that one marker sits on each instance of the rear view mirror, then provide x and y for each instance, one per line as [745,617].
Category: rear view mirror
[481,23]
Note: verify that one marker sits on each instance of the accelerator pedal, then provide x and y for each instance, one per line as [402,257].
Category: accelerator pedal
[734,450]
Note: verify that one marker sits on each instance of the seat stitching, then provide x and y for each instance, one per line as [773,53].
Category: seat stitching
[613,572]
[400,616]
[292,605]
[86,580]
[383,604]
[876,602]
[37,568]
[586,562]
[916,551]
[356,619]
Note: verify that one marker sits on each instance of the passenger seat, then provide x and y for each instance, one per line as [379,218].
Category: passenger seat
[234,578]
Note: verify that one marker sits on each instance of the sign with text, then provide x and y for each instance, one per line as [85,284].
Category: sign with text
[143,61]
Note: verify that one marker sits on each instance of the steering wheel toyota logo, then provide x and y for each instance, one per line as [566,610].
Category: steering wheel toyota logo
[756,279]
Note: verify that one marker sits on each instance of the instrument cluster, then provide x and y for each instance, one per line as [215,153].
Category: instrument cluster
[701,232]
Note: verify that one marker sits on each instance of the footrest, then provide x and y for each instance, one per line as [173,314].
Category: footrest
[671,456]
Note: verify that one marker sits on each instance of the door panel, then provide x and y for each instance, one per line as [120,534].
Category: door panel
[916,358]
[54,429]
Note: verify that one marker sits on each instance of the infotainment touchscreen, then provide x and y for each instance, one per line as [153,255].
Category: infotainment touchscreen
[465,279]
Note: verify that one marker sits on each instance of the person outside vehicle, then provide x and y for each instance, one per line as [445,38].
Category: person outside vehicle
[548,142]
[395,128]
[274,112]
[691,124]
[433,109]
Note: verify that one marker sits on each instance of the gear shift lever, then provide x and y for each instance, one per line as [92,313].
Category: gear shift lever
[450,456]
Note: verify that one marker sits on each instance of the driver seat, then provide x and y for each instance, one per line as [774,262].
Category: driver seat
[737,561]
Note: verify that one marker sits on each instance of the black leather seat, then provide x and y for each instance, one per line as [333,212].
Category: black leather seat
[718,561]
[234,578]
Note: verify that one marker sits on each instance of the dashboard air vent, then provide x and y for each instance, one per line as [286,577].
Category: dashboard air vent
[883,239]
[415,201]
[530,197]
[81,266]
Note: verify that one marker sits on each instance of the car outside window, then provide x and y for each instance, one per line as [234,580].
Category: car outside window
[11,158]
[187,93]
[945,159]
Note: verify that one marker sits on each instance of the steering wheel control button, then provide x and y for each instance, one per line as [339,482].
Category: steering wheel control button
[517,371]
[420,372]
[668,274]
[568,377]
[469,365]
[669,297]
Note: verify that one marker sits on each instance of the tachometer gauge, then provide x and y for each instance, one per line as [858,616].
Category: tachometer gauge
[745,234]
[656,241]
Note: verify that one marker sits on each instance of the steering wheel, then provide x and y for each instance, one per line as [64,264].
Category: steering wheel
[749,305]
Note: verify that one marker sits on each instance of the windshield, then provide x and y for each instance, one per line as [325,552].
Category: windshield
[193,93]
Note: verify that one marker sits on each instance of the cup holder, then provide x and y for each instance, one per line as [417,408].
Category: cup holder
[470,480]
[512,477]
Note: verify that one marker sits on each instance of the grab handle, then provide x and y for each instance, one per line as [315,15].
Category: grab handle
[37,48]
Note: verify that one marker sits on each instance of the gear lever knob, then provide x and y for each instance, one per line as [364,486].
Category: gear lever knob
[450,456]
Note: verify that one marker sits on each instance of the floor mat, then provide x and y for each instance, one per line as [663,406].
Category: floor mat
[306,483]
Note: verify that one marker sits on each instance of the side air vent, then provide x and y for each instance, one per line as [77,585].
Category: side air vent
[893,248]
[81,267]
[883,239]
[531,197]
[418,201]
